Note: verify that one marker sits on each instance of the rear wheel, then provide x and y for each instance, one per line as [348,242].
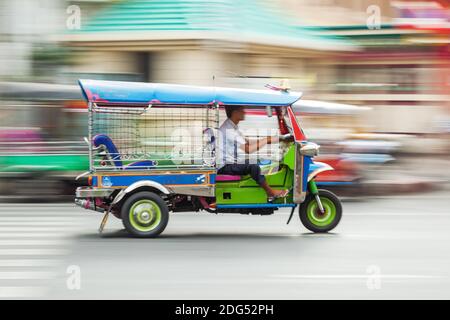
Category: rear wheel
[316,221]
[145,214]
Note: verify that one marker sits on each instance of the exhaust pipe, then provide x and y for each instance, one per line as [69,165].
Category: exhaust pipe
[88,205]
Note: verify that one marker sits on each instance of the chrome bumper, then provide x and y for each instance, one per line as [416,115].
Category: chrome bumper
[88,192]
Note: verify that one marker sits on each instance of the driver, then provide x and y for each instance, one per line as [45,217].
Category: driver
[230,140]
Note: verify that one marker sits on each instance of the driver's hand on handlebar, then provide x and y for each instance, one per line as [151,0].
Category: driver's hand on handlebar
[286,137]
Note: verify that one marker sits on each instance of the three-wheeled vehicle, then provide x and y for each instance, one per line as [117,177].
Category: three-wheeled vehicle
[152,151]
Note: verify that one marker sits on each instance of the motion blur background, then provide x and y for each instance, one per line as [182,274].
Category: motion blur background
[375,76]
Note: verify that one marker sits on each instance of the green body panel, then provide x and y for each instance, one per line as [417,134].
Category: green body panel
[289,158]
[43,162]
[247,191]
[239,195]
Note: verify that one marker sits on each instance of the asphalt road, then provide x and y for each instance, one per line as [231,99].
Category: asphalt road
[384,248]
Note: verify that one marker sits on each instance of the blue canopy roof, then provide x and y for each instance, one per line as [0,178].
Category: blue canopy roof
[158,93]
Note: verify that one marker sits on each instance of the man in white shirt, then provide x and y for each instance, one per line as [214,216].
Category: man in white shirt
[231,140]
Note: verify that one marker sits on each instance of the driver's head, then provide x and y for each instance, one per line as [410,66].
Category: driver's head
[235,113]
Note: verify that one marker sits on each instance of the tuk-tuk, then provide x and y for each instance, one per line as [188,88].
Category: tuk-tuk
[152,151]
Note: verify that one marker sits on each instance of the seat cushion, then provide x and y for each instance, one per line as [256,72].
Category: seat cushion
[104,140]
[226,177]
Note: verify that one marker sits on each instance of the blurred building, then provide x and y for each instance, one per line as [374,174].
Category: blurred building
[390,55]
[194,41]
[27,28]
[403,71]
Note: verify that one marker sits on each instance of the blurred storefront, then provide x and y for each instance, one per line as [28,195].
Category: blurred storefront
[399,68]
[402,72]
[26,25]
[202,43]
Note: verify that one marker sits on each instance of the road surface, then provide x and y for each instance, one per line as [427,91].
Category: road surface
[384,248]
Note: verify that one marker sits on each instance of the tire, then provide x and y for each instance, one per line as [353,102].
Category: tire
[145,214]
[310,214]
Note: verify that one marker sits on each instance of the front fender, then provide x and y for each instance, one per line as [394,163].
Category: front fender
[317,167]
[139,184]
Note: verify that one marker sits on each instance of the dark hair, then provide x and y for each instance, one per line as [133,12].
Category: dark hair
[229,110]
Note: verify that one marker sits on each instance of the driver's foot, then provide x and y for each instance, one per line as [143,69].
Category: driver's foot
[279,193]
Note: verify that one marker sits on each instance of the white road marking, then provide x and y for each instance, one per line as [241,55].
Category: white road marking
[21,206]
[55,214]
[397,236]
[38,223]
[31,242]
[31,252]
[38,219]
[6,212]
[28,263]
[357,276]
[413,236]
[20,235]
[26,275]
[31,247]
[22,292]
[36,228]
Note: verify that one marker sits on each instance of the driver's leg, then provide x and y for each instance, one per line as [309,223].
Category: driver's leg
[241,169]
[237,169]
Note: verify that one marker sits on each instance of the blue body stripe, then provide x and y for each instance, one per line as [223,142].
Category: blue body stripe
[164,179]
[256,205]
[307,164]
[313,167]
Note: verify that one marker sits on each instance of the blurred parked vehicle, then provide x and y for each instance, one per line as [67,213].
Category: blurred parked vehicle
[41,146]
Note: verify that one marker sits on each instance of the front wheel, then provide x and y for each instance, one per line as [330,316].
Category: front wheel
[316,221]
[145,214]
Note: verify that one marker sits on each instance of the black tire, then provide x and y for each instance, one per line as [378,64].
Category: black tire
[143,204]
[328,199]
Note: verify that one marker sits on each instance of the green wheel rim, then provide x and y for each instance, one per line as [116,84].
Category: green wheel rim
[145,215]
[316,217]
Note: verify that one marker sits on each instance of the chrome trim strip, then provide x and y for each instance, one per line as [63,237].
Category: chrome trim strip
[142,183]
[87,192]
[201,191]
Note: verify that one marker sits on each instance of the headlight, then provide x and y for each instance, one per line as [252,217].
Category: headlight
[310,149]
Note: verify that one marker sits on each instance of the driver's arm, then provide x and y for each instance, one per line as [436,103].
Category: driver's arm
[253,145]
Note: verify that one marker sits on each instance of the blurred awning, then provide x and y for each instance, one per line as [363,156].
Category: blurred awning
[39,91]
[233,21]
[314,106]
